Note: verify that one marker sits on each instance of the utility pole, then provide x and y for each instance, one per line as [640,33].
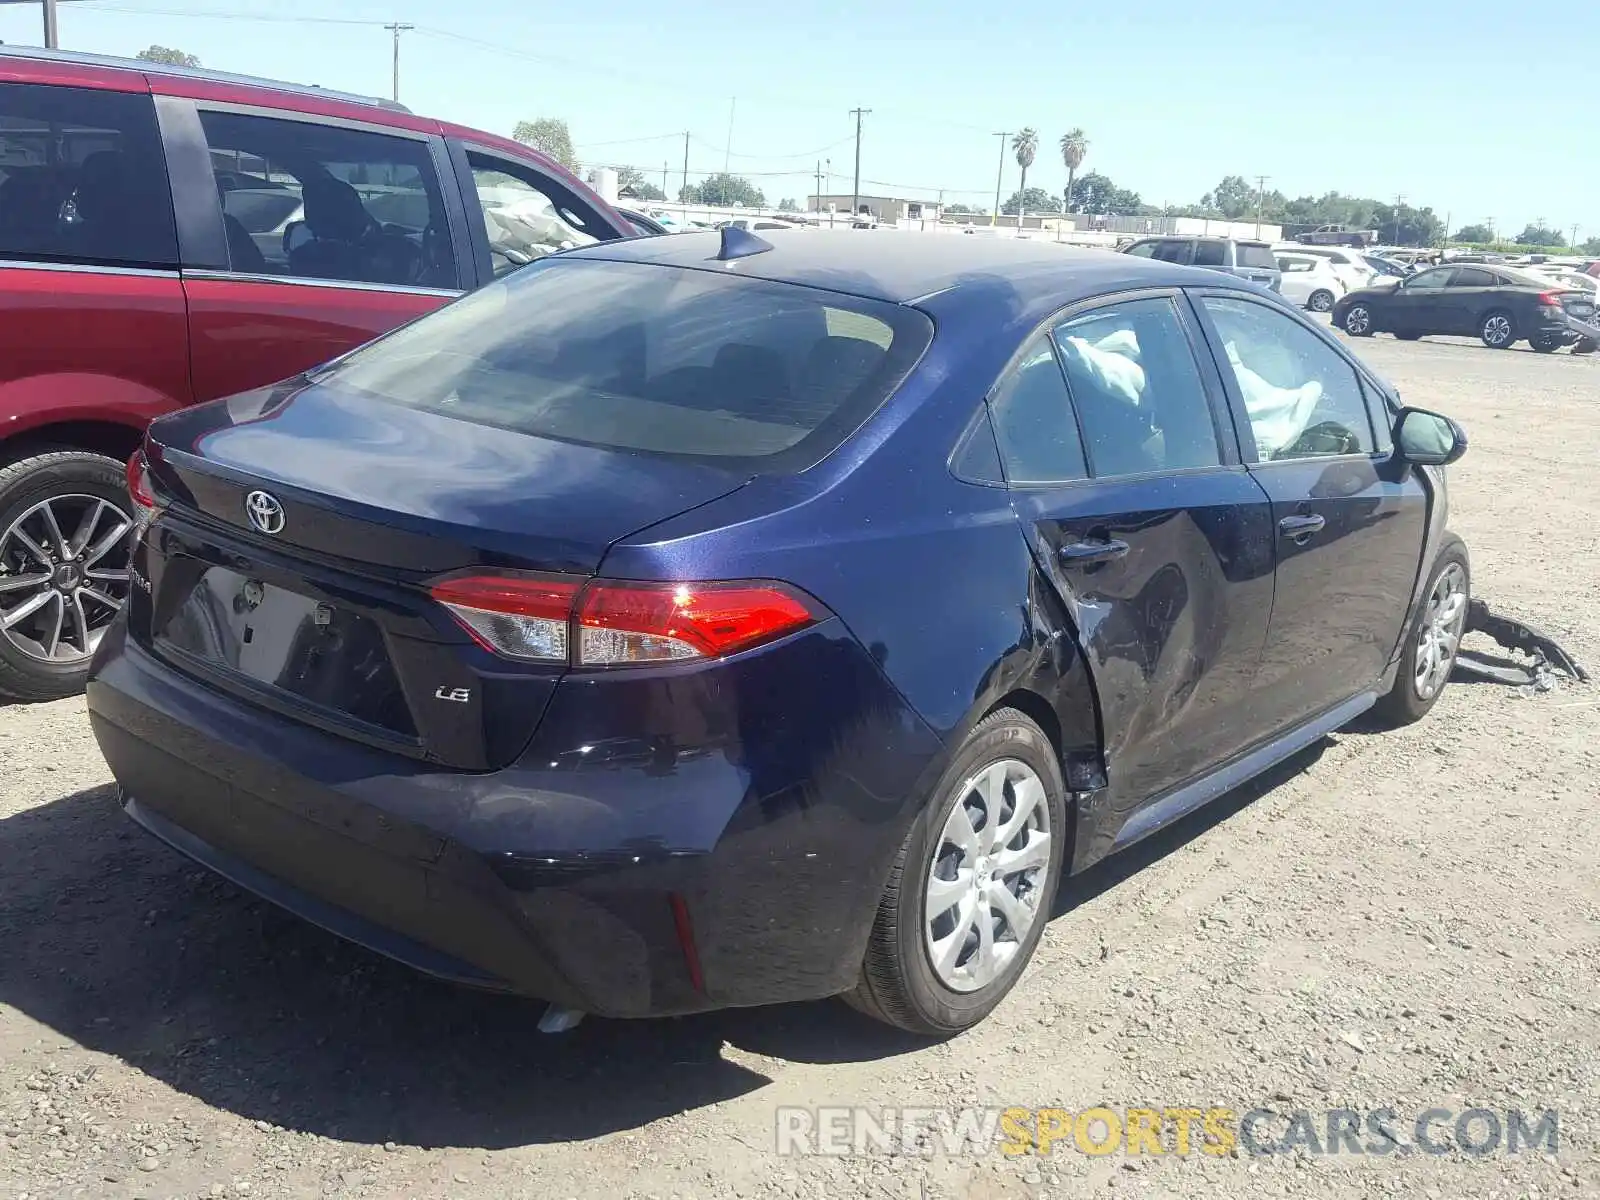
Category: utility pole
[1399,203]
[999,175]
[855,204]
[1574,242]
[818,206]
[664,168]
[684,195]
[396,28]
[1261,196]
[727,150]
[52,36]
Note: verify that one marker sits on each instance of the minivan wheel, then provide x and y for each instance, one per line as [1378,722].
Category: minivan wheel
[65,538]
[1433,639]
[1358,321]
[1321,301]
[971,888]
[1498,331]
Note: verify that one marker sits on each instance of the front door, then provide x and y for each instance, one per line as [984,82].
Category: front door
[1415,304]
[1348,518]
[333,236]
[1156,539]
[1468,299]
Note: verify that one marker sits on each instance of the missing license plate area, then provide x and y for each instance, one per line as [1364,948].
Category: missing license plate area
[279,638]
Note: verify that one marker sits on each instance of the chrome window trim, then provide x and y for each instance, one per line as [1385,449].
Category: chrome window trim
[306,281]
[26,264]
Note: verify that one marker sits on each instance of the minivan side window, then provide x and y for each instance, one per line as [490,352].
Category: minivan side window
[1033,420]
[1210,254]
[1302,398]
[1137,389]
[312,201]
[83,178]
[1143,249]
[524,220]
[1180,252]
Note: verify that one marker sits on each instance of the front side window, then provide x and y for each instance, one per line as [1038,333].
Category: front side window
[1473,277]
[1181,253]
[83,178]
[648,358]
[1302,398]
[1143,249]
[1210,254]
[1033,421]
[322,202]
[523,220]
[1137,389]
[1436,278]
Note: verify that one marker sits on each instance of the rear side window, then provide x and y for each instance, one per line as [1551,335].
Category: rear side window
[1137,389]
[1033,421]
[1174,252]
[638,356]
[83,179]
[1255,255]
[1210,254]
[314,201]
[1466,277]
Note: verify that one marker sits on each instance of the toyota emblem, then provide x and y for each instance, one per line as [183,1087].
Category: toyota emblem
[264,511]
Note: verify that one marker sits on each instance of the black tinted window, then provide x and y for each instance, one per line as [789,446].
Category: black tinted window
[1210,254]
[1174,252]
[321,202]
[1142,249]
[1137,390]
[1254,254]
[82,178]
[633,356]
[1033,421]
[1473,277]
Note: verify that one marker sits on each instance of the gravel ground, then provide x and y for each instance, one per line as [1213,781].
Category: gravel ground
[1404,920]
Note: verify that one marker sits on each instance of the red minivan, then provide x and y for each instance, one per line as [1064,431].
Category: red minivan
[168,236]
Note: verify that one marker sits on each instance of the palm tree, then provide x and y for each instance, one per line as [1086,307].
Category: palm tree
[1026,145]
[1074,145]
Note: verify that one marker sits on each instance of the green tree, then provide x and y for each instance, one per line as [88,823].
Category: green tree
[551,135]
[1233,198]
[1074,146]
[1540,235]
[968,210]
[788,205]
[723,190]
[168,56]
[1592,246]
[1026,146]
[631,182]
[1475,233]
[1034,200]
[1098,194]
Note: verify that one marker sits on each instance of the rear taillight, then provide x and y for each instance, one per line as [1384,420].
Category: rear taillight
[614,623]
[1551,299]
[139,489]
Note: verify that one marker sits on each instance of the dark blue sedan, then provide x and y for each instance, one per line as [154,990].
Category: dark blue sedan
[697,621]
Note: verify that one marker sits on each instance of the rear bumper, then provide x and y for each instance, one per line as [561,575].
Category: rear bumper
[668,843]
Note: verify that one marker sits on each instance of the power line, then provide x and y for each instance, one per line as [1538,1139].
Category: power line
[106,6]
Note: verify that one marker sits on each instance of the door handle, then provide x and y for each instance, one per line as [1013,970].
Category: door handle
[1084,554]
[1300,528]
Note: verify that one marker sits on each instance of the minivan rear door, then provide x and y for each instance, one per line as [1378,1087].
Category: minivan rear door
[304,237]
[1254,261]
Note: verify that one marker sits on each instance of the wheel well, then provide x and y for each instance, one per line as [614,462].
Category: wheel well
[1038,710]
[100,437]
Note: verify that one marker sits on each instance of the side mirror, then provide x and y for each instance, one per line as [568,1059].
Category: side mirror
[1428,439]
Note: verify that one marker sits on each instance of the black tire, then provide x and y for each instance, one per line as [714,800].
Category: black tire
[1498,330]
[899,984]
[24,485]
[1321,301]
[1545,345]
[1358,320]
[1405,702]
[1409,337]
[1585,346]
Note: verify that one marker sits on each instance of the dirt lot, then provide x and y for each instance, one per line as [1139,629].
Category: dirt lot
[1406,920]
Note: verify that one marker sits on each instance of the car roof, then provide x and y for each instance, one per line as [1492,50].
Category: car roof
[902,267]
[144,67]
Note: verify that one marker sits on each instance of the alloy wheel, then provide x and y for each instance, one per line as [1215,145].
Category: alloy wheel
[1440,636]
[985,879]
[1497,330]
[1358,320]
[63,576]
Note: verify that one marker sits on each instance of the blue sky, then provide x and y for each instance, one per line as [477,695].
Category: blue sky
[1173,95]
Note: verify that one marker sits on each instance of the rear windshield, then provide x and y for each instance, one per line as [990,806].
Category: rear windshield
[1255,254]
[661,360]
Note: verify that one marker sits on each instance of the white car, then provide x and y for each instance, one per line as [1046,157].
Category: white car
[1310,281]
[1347,262]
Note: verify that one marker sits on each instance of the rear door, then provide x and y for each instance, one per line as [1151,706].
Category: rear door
[1467,300]
[1254,261]
[1349,520]
[303,238]
[92,323]
[1158,542]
